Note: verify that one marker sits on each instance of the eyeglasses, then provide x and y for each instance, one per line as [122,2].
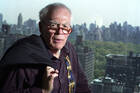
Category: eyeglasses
[56,26]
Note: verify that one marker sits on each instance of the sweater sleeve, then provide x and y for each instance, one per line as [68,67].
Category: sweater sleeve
[20,80]
[81,83]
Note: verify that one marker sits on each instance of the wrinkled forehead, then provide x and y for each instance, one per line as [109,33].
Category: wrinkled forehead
[60,15]
[57,11]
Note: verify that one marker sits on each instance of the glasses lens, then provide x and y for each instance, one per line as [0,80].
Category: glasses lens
[66,30]
[55,26]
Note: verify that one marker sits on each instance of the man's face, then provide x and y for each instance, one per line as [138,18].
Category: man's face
[55,30]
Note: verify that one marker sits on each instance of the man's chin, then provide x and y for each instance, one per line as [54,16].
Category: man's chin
[57,47]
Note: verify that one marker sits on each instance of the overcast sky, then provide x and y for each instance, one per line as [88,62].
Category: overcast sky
[102,11]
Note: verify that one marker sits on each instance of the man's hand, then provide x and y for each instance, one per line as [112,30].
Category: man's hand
[48,79]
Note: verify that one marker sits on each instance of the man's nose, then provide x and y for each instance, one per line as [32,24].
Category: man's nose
[60,29]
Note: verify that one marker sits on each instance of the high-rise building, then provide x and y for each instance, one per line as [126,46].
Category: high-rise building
[1,18]
[5,28]
[124,70]
[1,21]
[20,19]
[30,24]
[30,27]
[86,58]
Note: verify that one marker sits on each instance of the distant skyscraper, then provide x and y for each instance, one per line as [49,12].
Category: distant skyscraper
[19,24]
[30,27]
[1,20]
[5,28]
[30,23]
[92,27]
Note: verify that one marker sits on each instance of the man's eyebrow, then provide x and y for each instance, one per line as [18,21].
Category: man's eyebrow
[52,21]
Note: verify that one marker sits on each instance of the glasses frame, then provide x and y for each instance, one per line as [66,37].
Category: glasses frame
[64,27]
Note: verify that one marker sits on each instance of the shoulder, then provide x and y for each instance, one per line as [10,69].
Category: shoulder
[24,45]
[21,49]
[29,50]
[71,51]
[28,40]
[69,46]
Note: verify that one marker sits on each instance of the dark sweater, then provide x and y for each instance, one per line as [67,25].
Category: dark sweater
[23,66]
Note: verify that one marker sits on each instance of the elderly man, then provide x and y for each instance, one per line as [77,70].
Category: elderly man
[46,63]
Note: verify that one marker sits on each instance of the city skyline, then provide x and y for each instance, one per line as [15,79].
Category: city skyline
[103,12]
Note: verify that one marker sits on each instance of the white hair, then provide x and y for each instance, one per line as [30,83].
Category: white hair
[49,8]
